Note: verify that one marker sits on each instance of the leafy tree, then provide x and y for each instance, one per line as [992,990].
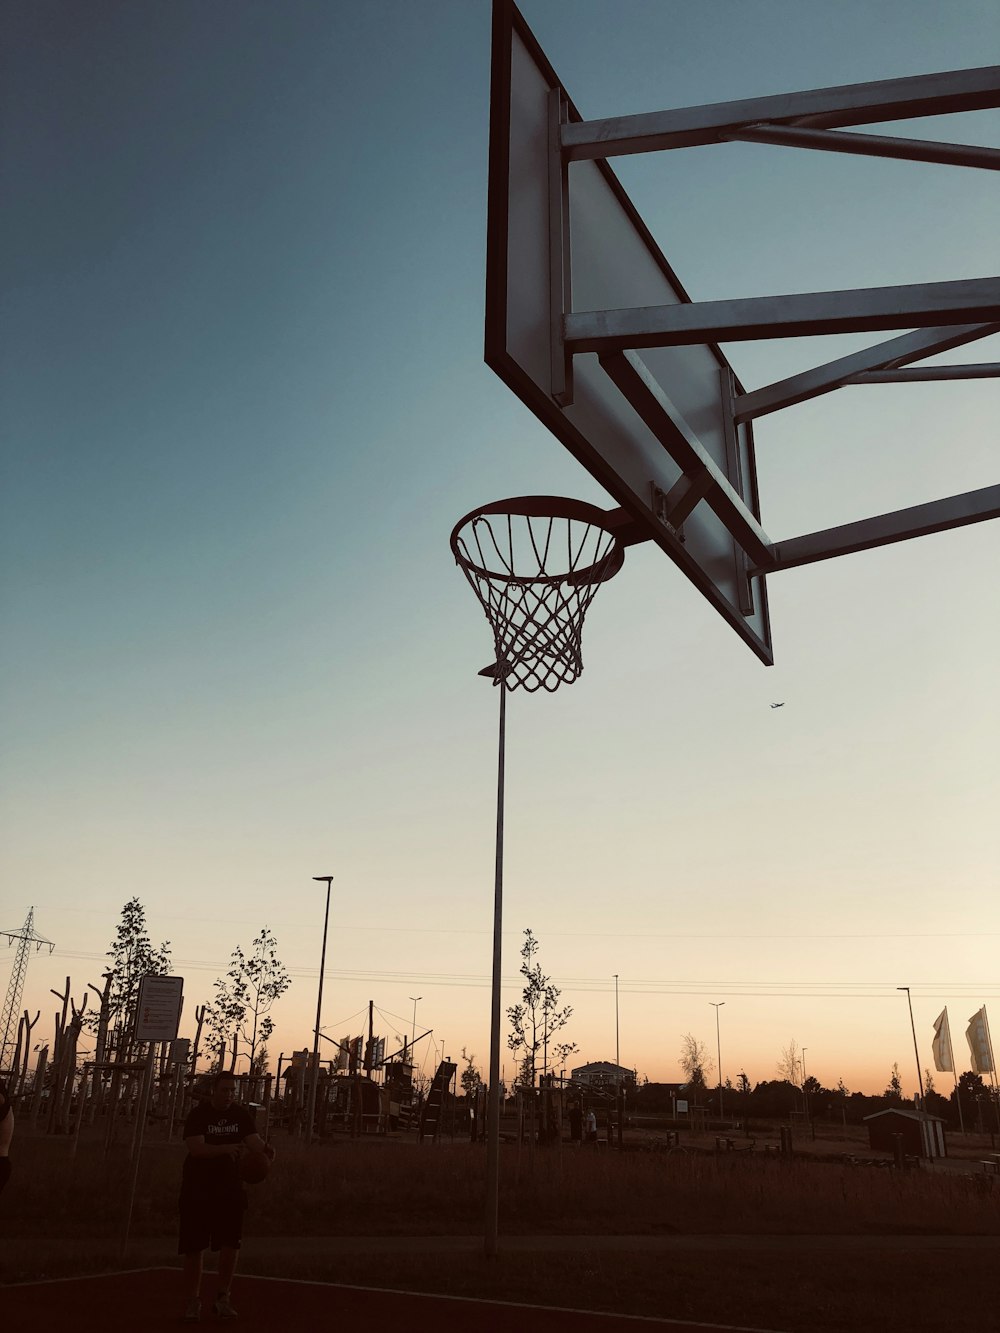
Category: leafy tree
[245,995]
[536,1020]
[977,1097]
[894,1092]
[132,956]
[471,1079]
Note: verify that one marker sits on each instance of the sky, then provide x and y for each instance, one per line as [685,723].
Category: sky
[243,404]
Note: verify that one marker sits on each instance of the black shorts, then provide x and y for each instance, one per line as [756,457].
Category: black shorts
[211,1220]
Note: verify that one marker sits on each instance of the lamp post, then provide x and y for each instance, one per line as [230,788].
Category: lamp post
[916,1053]
[314,1080]
[413,1036]
[718,1047]
[805,1095]
[618,1059]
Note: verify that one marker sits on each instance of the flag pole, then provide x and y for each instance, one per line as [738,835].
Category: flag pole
[993,1067]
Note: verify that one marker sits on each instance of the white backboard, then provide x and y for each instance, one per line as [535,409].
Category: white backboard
[613,263]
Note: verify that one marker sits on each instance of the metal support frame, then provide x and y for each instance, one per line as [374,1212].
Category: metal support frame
[918,521]
[857,368]
[638,386]
[869,145]
[941,315]
[985,370]
[814,109]
[560,269]
[804,313]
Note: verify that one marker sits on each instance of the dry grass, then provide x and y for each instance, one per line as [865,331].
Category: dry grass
[69,1213]
[385,1188]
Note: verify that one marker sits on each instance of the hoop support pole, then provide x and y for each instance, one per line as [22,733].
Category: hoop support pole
[493,1109]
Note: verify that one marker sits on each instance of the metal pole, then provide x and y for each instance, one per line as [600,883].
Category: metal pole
[618,1058]
[147,1079]
[718,1047]
[493,1110]
[913,1028]
[314,1080]
[993,1067]
[413,1035]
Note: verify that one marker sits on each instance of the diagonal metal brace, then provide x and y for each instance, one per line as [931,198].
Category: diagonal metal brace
[632,377]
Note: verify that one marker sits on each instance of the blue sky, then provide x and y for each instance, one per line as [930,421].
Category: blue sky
[243,402]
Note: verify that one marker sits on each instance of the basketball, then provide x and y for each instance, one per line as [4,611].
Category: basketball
[254,1167]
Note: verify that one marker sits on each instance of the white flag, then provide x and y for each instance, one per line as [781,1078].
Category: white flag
[977,1035]
[944,1058]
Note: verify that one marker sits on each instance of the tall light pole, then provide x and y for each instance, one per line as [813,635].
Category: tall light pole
[916,1053]
[718,1047]
[805,1095]
[618,1059]
[314,1080]
[413,1036]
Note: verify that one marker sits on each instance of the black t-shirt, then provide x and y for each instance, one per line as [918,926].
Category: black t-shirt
[220,1129]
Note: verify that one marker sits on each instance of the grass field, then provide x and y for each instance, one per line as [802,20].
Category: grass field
[891,1248]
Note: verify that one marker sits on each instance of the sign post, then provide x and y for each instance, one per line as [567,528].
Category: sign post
[158,1016]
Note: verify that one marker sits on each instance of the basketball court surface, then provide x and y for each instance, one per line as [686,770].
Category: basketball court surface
[148,1298]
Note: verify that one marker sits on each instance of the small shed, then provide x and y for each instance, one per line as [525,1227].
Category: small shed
[922,1134]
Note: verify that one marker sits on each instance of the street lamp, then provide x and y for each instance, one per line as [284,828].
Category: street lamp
[618,1059]
[920,1077]
[413,1038]
[805,1095]
[718,1047]
[314,1080]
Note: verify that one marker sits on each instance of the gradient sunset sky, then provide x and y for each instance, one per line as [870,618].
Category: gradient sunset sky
[244,402]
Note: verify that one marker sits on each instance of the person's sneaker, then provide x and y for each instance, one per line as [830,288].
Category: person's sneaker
[222,1309]
[192,1315]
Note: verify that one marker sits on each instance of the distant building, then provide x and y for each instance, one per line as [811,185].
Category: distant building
[602,1074]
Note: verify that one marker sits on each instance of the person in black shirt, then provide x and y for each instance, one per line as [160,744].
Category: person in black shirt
[213,1199]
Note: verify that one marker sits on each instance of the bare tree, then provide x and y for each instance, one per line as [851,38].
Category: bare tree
[790,1064]
[536,1020]
[695,1060]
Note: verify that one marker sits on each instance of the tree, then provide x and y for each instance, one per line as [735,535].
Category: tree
[132,957]
[894,1092]
[789,1064]
[245,995]
[976,1096]
[536,1020]
[695,1061]
[471,1079]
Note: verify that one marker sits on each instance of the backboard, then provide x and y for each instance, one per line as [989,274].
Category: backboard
[588,324]
[615,264]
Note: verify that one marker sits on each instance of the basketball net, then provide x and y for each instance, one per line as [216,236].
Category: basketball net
[535,563]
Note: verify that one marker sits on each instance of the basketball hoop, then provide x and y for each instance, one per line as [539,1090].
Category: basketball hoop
[535,562]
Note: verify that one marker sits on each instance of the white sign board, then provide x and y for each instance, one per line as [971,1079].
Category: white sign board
[159,1009]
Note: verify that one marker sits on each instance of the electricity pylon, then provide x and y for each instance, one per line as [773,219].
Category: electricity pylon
[26,937]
